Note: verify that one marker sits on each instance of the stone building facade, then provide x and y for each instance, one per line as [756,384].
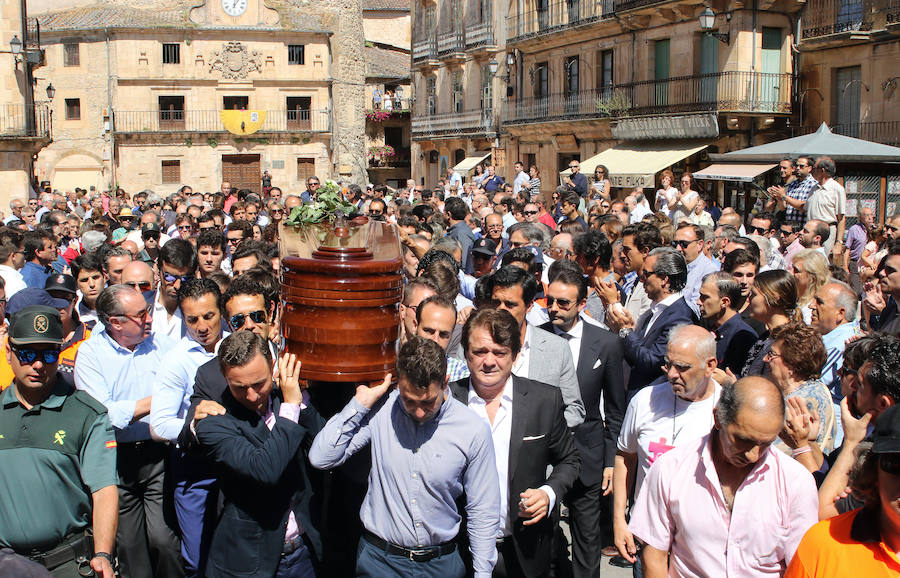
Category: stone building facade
[154,94]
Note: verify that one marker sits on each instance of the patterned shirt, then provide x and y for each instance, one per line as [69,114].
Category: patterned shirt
[799,190]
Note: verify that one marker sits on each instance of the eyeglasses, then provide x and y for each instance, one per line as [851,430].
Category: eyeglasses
[529,212]
[312,184]
[237,320]
[573,166]
[564,304]
[891,228]
[845,371]
[140,317]
[759,230]
[277,211]
[185,227]
[154,236]
[682,243]
[140,286]
[29,356]
[235,240]
[169,278]
[771,355]
[783,232]
[646,274]
[889,464]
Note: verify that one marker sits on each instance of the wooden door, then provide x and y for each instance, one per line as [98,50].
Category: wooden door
[242,171]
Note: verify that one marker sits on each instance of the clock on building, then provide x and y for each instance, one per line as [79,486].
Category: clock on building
[234,7]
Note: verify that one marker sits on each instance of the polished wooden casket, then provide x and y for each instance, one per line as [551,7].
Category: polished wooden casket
[341,286]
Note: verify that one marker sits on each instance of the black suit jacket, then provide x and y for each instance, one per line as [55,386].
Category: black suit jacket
[599,372]
[263,476]
[646,353]
[539,438]
[209,383]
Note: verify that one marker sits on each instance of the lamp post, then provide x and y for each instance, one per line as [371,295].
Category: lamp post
[707,21]
[51,92]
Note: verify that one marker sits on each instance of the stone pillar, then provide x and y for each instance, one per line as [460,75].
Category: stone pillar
[348,71]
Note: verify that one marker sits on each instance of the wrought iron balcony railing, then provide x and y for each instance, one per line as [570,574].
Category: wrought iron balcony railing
[754,92]
[176,121]
[21,121]
[466,123]
[557,16]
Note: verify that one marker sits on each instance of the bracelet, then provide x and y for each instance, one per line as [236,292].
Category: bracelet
[800,451]
[106,556]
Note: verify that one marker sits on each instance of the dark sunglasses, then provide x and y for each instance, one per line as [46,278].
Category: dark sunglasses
[889,464]
[683,244]
[143,286]
[169,278]
[529,212]
[146,236]
[234,241]
[891,228]
[845,371]
[29,356]
[760,230]
[237,320]
[563,303]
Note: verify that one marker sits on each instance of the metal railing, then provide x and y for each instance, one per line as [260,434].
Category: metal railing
[884,132]
[398,105]
[450,42]
[25,121]
[472,122]
[32,33]
[425,49]
[481,34]
[724,91]
[170,121]
[827,17]
[556,16]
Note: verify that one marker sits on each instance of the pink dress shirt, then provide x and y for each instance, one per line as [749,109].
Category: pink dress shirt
[681,509]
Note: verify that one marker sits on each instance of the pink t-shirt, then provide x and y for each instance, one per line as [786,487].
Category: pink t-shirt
[681,509]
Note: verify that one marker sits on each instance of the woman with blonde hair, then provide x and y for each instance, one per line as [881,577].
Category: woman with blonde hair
[810,270]
[601,185]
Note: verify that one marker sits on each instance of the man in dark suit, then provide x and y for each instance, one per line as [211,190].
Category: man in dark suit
[597,354]
[259,448]
[529,434]
[664,275]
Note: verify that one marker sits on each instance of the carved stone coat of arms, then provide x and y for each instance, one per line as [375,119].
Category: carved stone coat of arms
[235,61]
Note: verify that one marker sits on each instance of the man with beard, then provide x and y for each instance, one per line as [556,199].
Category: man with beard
[719,292]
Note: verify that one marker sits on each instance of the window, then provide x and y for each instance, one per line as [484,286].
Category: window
[73,109]
[235,102]
[541,80]
[305,168]
[296,54]
[431,95]
[171,54]
[298,112]
[171,171]
[487,88]
[604,72]
[847,92]
[171,112]
[571,76]
[71,55]
[457,92]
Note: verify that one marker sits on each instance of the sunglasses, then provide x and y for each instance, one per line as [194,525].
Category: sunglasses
[563,303]
[889,464]
[891,228]
[683,244]
[169,278]
[646,274]
[233,241]
[140,286]
[29,356]
[759,230]
[529,212]
[312,184]
[238,320]
[573,166]
[277,211]
[154,236]
[845,371]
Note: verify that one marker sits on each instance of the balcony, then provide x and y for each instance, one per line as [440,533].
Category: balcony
[824,18]
[397,107]
[884,132]
[558,16]
[209,121]
[450,44]
[744,92]
[18,121]
[480,36]
[424,52]
[472,123]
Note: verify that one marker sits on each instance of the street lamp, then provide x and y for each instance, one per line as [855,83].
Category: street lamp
[51,92]
[15,45]
[707,21]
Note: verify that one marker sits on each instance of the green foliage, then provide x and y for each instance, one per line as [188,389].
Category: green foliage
[613,104]
[328,202]
[213,143]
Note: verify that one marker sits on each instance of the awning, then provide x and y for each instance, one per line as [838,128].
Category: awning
[469,163]
[744,173]
[636,165]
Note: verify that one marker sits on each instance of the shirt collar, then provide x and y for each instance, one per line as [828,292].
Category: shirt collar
[60,391]
[505,398]
[757,474]
[866,526]
[574,333]
[669,300]
[841,333]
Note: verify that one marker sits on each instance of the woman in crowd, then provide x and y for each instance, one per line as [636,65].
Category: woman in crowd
[810,269]
[275,212]
[794,361]
[478,176]
[773,302]
[666,193]
[685,200]
[601,185]
[534,185]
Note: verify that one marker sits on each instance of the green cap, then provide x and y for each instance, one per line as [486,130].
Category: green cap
[36,324]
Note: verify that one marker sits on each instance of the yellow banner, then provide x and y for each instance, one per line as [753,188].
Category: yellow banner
[242,122]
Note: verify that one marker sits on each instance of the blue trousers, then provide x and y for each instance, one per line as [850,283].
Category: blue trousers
[297,564]
[374,563]
[196,496]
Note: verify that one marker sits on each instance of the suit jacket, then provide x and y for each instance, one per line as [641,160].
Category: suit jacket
[550,361]
[539,438]
[646,353]
[263,476]
[209,383]
[599,372]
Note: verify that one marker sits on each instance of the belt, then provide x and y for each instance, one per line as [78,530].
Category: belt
[424,554]
[79,547]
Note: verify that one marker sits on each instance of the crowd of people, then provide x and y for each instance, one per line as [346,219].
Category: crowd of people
[691,391]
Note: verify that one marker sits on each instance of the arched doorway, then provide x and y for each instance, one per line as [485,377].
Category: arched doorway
[77,170]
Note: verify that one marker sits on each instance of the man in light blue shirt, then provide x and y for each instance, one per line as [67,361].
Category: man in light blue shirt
[200,302]
[428,450]
[834,310]
[689,241]
[117,365]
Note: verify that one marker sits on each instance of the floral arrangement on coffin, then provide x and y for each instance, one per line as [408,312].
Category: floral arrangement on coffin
[328,206]
[381,153]
[378,115]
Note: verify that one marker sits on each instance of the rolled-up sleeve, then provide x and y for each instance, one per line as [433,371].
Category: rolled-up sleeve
[89,377]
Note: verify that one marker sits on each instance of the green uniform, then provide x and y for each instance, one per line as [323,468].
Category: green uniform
[53,456]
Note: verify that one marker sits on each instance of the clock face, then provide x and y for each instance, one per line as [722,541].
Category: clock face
[234,7]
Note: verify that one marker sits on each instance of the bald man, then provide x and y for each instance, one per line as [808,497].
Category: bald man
[140,276]
[727,505]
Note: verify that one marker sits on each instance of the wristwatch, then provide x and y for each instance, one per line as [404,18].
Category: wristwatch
[625,332]
[107,556]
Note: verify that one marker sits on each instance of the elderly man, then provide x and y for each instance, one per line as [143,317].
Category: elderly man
[857,237]
[664,275]
[828,203]
[529,436]
[58,479]
[834,309]
[259,445]
[411,522]
[720,295]
[725,504]
[118,367]
[647,432]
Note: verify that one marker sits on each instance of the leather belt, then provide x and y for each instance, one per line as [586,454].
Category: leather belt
[423,554]
[79,547]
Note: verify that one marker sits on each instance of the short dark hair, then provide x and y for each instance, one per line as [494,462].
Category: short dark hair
[434,255]
[521,255]
[595,247]
[178,253]
[671,263]
[570,197]
[33,241]
[197,288]
[108,252]
[726,286]
[884,375]
[265,276]
[456,207]
[768,216]
[422,362]
[240,347]
[438,301]
[243,226]
[423,210]
[86,262]
[502,326]
[445,277]
[514,276]
[243,285]
[698,230]
[646,236]
[413,284]
[570,273]
[750,245]
[251,248]
[212,238]
[740,257]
